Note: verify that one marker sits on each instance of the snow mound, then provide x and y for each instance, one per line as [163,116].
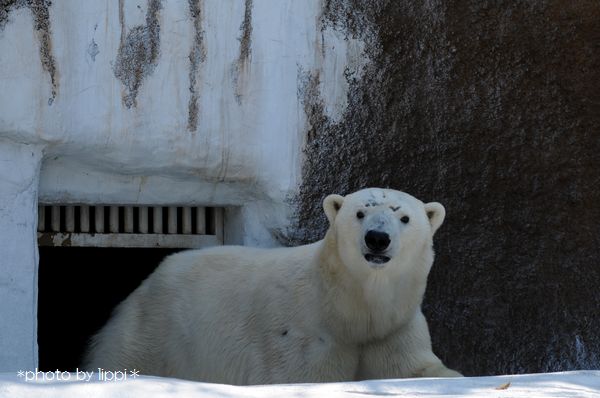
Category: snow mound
[584,384]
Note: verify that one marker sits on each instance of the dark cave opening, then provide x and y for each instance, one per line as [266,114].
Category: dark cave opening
[78,289]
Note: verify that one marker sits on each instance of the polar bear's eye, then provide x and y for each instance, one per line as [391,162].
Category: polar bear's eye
[405,219]
[360,214]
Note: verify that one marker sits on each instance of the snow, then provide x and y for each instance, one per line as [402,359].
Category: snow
[563,384]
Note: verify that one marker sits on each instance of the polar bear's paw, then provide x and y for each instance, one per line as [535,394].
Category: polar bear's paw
[437,370]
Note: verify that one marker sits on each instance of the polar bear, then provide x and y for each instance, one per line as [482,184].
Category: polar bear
[345,308]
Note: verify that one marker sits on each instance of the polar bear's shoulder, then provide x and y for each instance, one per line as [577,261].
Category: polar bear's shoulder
[231,257]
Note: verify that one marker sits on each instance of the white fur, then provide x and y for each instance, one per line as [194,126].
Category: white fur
[319,312]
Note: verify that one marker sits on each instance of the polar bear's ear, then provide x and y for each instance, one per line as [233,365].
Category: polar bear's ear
[332,204]
[436,214]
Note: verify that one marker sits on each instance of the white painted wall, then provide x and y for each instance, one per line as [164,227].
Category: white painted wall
[246,150]
[19,174]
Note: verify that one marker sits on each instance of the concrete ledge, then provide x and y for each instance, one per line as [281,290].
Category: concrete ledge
[565,384]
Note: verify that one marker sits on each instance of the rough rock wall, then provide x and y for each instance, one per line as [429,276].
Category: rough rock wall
[493,109]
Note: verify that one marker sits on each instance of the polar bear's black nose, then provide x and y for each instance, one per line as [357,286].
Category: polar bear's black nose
[377,241]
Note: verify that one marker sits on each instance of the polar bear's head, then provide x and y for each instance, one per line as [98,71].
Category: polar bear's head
[383,229]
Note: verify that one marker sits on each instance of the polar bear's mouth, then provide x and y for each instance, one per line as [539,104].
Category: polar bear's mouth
[376,258]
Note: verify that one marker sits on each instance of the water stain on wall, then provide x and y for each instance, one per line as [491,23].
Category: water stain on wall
[240,68]
[246,29]
[41,19]
[197,56]
[491,109]
[93,48]
[138,51]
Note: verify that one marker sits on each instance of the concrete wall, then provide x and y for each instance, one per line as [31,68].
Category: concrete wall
[19,176]
[201,92]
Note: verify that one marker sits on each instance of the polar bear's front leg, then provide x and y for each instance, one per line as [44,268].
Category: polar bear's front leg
[406,353]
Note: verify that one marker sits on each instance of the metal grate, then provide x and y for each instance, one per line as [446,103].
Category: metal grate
[129,226]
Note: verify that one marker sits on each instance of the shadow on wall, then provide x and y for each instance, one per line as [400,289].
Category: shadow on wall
[493,110]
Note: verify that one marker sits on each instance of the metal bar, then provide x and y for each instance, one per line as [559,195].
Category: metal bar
[41,218]
[186,220]
[172,220]
[201,220]
[59,239]
[55,218]
[128,219]
[143,219]
[70,218]
[156,236]
[84,218]
[113,220]
[158,224]
[218,212]
[99,219]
